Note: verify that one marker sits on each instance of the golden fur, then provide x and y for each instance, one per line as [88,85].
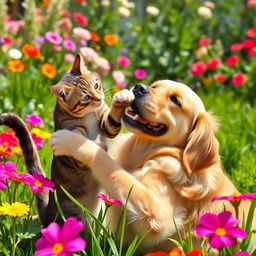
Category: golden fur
[173,175]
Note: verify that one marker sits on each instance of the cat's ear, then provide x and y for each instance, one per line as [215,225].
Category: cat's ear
[78,66]
[60,89]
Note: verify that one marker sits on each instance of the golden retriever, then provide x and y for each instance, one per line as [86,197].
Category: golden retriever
[170,159]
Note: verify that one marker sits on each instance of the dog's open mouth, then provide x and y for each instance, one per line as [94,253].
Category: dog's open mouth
[134,118]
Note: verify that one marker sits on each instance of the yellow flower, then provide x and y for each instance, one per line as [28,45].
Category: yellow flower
[41,133]
[17,150]
[16,66]
[14,210]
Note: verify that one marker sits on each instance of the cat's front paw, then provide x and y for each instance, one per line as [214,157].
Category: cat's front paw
[123,99]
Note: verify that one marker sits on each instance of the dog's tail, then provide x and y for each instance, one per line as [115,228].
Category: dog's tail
[30,154]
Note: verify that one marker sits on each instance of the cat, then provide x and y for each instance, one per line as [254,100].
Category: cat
[80,107]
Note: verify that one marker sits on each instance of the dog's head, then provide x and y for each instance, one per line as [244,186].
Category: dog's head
[171,113]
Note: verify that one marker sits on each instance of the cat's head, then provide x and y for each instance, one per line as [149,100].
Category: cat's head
[79,91]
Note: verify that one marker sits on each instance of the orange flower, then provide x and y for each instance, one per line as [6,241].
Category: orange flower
[31,51]
[49,70]
[95,37]
[45,3]
[16,66]
[110,39]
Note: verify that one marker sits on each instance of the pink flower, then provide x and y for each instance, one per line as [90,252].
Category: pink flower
[213,63]
[53,37]
[236,47]
[119,76]
[88,53]
[38,183]
[80,19]
[69,58]
[34,120]
[69,45]
[37,140]
[13,27]
[102,63]
[109,200]
[232,60]
[221,229]
[204,41]
[248,44]
[56,48]
[251,32]
[235,197]
[64,25]
[82,33]
[198,68]
[140,74]
[62,242]
[6,170]
[251,3]
[242,254]
[239,79]
[252,52]
[123,61]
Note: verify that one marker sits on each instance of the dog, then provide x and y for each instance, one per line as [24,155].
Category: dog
[169,161]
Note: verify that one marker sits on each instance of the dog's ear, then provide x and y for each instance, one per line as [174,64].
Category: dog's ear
[202,148]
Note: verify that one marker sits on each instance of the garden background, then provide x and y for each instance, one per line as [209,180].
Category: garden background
[210,46]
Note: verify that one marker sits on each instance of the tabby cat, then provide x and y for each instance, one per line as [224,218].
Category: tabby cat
[80,107]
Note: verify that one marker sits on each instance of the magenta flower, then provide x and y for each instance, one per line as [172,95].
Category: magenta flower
[34,120]
[6,170]
[38,141]
[221,229]
[3,185]
[123,61]
[53,37]
[242,254]
[38,183]
[69,45]
[109,200]
[236,197]
[61,242]
[140,74]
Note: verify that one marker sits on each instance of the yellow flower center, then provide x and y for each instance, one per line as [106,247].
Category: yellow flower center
[220,232]
[57,248]
[38,184]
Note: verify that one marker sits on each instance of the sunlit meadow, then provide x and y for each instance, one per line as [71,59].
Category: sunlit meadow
[209,45]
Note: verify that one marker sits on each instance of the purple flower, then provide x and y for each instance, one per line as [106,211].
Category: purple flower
[140,74]
[53,37]
[221,229]
[34,120]
[40,39]
[124,51]
[6,170]
[242,254]
[62,242]
[69,45]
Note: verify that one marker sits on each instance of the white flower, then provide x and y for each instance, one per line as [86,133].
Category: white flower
[124,11]
[151,10]
[15,53]
[204,12]
[105,3]
[128,4]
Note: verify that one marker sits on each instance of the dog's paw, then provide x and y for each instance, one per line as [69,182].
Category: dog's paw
[65,142]
[123,99]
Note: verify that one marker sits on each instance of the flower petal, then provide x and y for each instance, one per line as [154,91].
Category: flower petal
[9,166]
[52,233]
[42,243]
[215,242]
[71,228]
[227,221]
[228,241]
[210,221]
[204,231]
[44,252]
[75,245]
[237,232]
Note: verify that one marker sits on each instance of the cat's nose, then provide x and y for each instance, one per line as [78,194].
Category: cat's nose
[140,90]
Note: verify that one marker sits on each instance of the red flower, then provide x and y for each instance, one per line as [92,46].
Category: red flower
[6,40]
[213,63]
[248,44]
[80,19]
[220,78]
[252,52]
[156,254]
[236,47]
[194,253]
[66,13]
[204,41]
[198,68]
[239,79]
[251,32]
[232,61]
[176,252]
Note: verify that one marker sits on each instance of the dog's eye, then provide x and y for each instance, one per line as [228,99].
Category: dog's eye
[175,100]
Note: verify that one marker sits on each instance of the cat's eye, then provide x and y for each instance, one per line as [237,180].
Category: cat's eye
[86,98]
[96,85]
[175,100]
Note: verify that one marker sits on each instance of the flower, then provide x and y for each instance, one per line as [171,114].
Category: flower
[123,11]
[248,44]
[123,61]
[204,41]
[242,254]
[16,66]
[204,12]
[14,210]
[198,68]
[69,45]
[111,39]
[239,79]
[232,60]
[41,133]
[251,32]
[156,254]
[37,140]
[119,77]
[102,63]
[140,74]
[31,51]
[15,53]
[220,78]
[176,252]
[194,253]
[34,120]
[95,37]
[38,183]
[82,33]
[57,241]
[209,4]
[88,53]
[153,11]
[109,200]
[48,70]
[235,197]
[221,229]
[251,3]
[201,52]
[213,63]
[53,37]
[69,58]
[80,19]
[236,47]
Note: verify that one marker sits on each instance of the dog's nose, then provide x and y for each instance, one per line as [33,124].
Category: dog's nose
[140,90]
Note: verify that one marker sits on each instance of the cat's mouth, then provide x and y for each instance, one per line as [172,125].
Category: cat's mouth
[135,119]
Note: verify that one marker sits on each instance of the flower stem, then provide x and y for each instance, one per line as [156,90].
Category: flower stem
[14,236]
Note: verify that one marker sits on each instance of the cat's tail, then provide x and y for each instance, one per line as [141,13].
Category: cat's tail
[30,155]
